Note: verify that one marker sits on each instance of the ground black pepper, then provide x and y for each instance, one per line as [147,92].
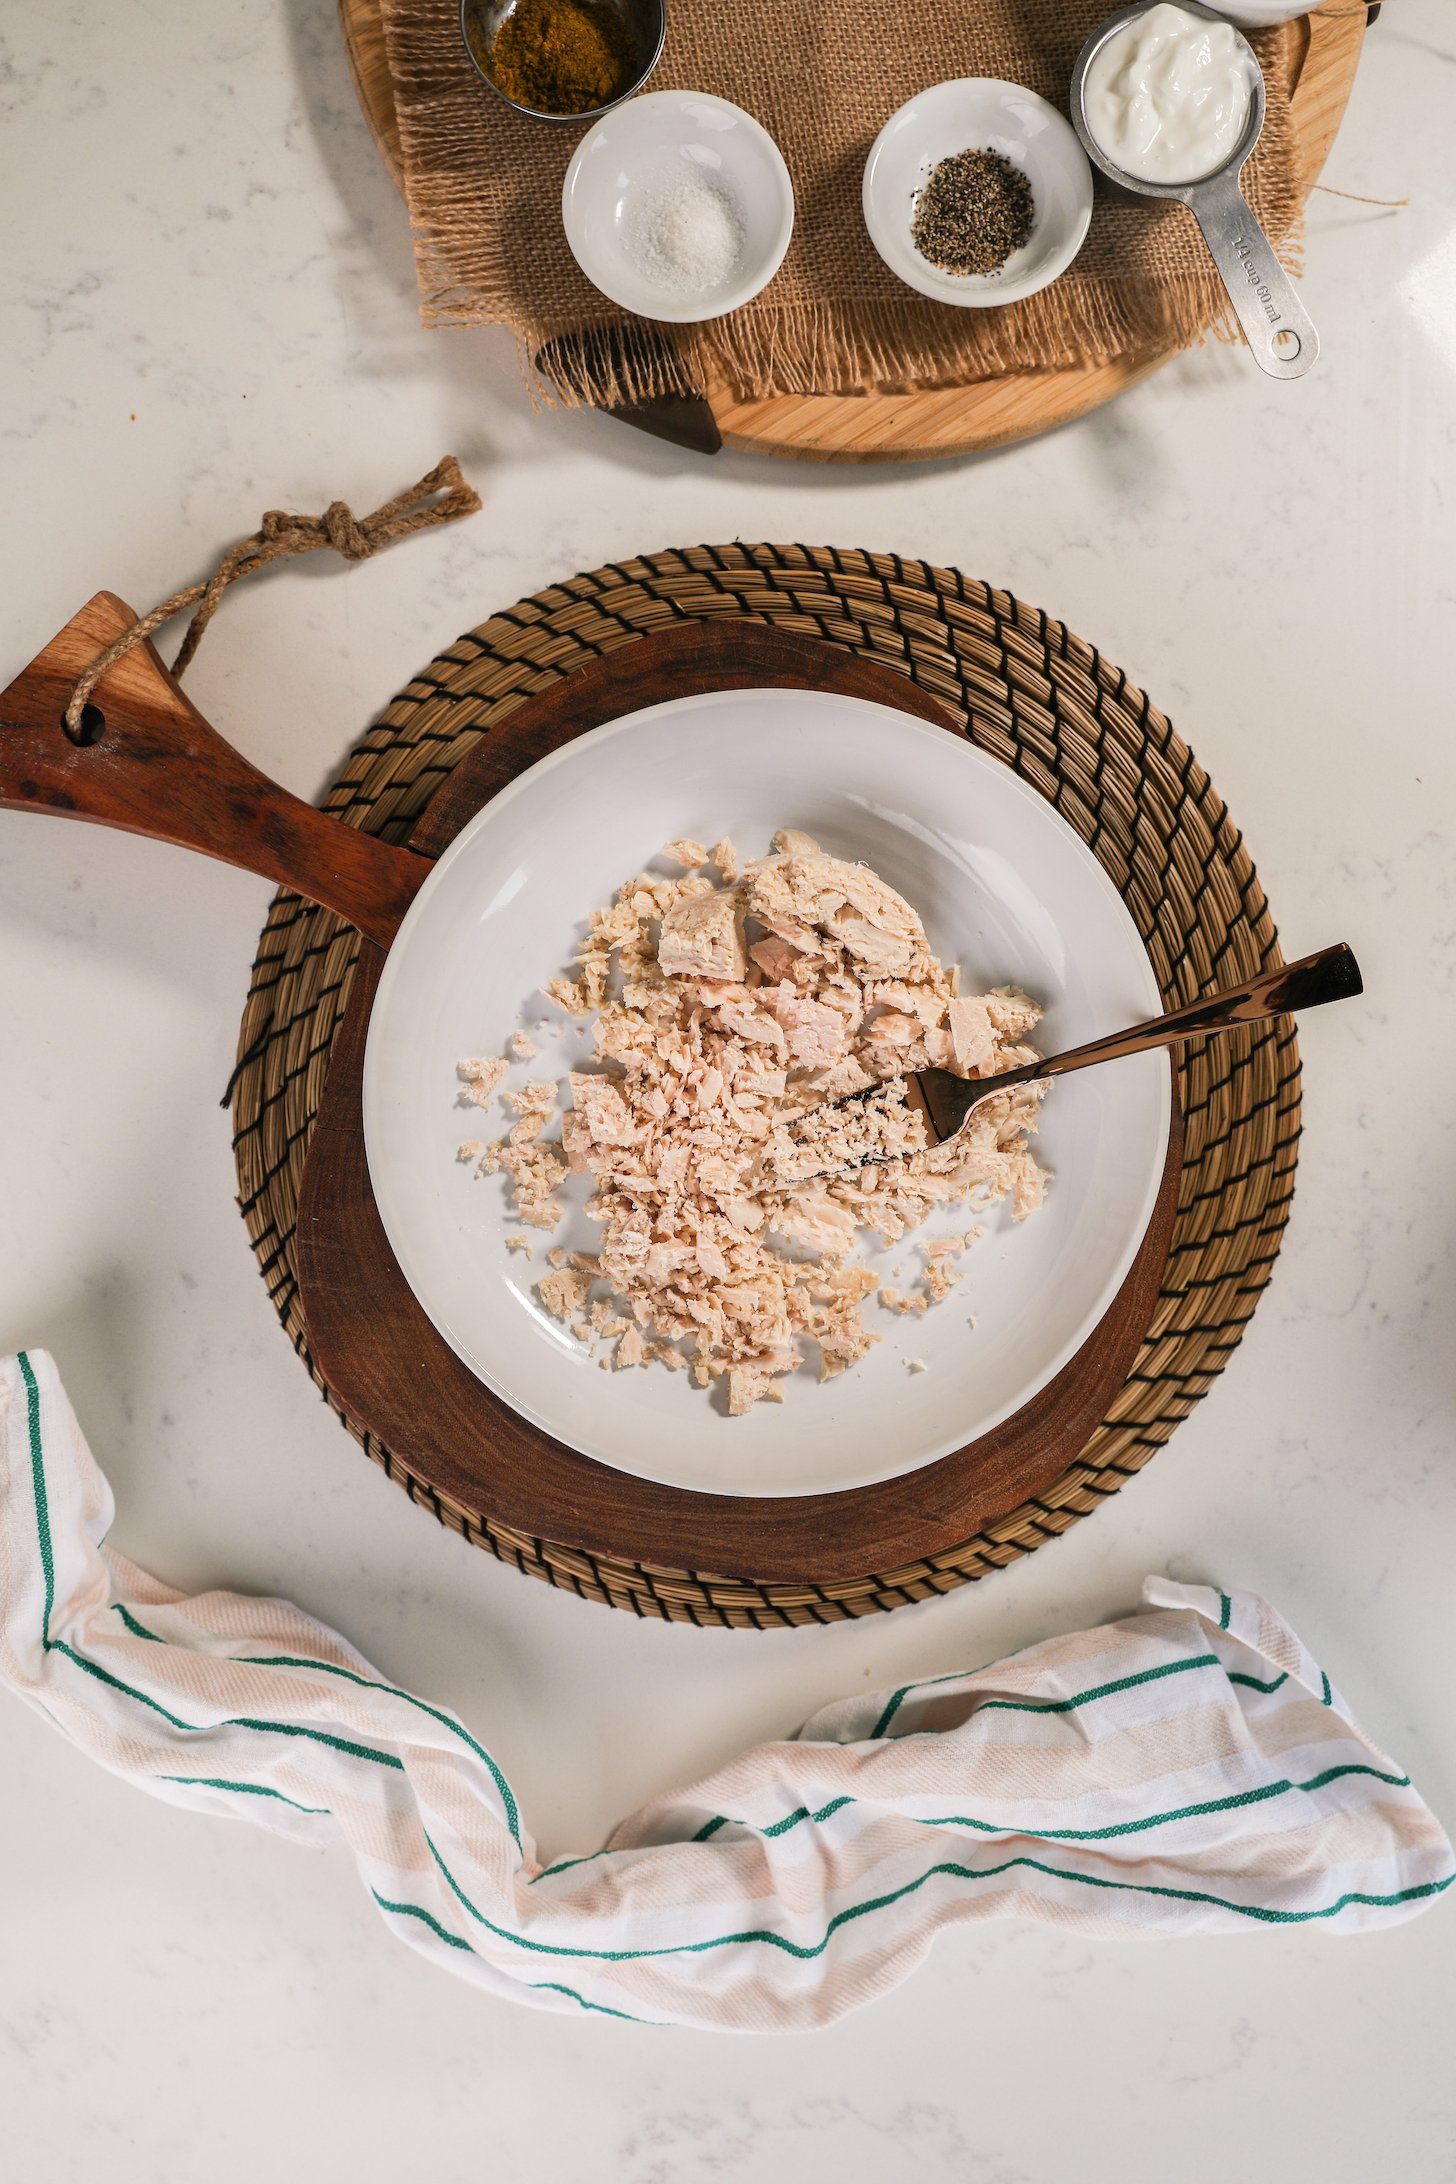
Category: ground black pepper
[974,211]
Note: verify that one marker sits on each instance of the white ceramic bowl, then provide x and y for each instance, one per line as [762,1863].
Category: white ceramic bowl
[643,146]
[1006,889]
[976,113]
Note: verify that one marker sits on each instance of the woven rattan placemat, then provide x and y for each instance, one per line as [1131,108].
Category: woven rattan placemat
[1035,696]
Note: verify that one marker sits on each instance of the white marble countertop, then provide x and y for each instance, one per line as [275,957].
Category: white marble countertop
[210,310]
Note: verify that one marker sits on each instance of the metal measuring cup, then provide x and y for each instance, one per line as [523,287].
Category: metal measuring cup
[1280,331]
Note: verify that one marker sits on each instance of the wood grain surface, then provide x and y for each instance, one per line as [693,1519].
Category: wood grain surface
[857,428]
[397,1376]
[154,766]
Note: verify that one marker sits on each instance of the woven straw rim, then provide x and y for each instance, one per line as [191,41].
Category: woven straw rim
[1034,696]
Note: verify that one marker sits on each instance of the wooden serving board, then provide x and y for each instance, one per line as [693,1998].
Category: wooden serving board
[394,1374]
[964,420]
[145,759]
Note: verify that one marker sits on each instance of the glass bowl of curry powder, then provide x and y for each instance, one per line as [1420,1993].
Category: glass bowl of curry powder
[561,60]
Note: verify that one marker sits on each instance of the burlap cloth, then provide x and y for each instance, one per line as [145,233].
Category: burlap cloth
[484,190]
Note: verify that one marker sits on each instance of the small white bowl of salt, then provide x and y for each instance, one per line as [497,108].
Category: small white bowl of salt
[678,206]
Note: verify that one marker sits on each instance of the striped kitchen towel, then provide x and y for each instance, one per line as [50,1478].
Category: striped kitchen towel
[1187,1770]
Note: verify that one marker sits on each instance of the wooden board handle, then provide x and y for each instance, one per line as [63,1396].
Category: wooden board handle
[152,765]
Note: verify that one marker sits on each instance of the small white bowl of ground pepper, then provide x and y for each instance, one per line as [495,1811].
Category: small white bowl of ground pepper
[977,193]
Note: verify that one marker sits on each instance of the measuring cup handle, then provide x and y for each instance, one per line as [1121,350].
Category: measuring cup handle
[1280,332]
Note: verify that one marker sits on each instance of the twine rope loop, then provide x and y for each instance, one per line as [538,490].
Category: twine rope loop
[441,496]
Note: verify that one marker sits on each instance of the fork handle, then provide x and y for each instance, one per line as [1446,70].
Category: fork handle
[1330,974]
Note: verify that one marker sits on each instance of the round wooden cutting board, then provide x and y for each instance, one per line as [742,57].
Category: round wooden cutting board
[858,428]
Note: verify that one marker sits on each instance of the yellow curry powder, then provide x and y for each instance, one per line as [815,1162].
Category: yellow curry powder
[561,56]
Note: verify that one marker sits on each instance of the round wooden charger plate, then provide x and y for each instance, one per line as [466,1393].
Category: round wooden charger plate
[394,1373]
[946,420]
[1040,700]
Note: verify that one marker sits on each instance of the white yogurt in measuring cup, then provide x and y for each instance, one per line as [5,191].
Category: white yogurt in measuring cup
[1167,96]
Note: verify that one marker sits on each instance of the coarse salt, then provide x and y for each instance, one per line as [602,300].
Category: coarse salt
[685,236]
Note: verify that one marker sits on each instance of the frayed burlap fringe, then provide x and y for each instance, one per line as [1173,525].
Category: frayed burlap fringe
[816,349]
[484,185]
[813,349]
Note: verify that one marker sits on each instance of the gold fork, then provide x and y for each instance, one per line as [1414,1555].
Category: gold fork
[1331,974]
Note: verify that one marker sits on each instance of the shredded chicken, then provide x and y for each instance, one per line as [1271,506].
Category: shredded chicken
[730,1023]
[482,1075]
